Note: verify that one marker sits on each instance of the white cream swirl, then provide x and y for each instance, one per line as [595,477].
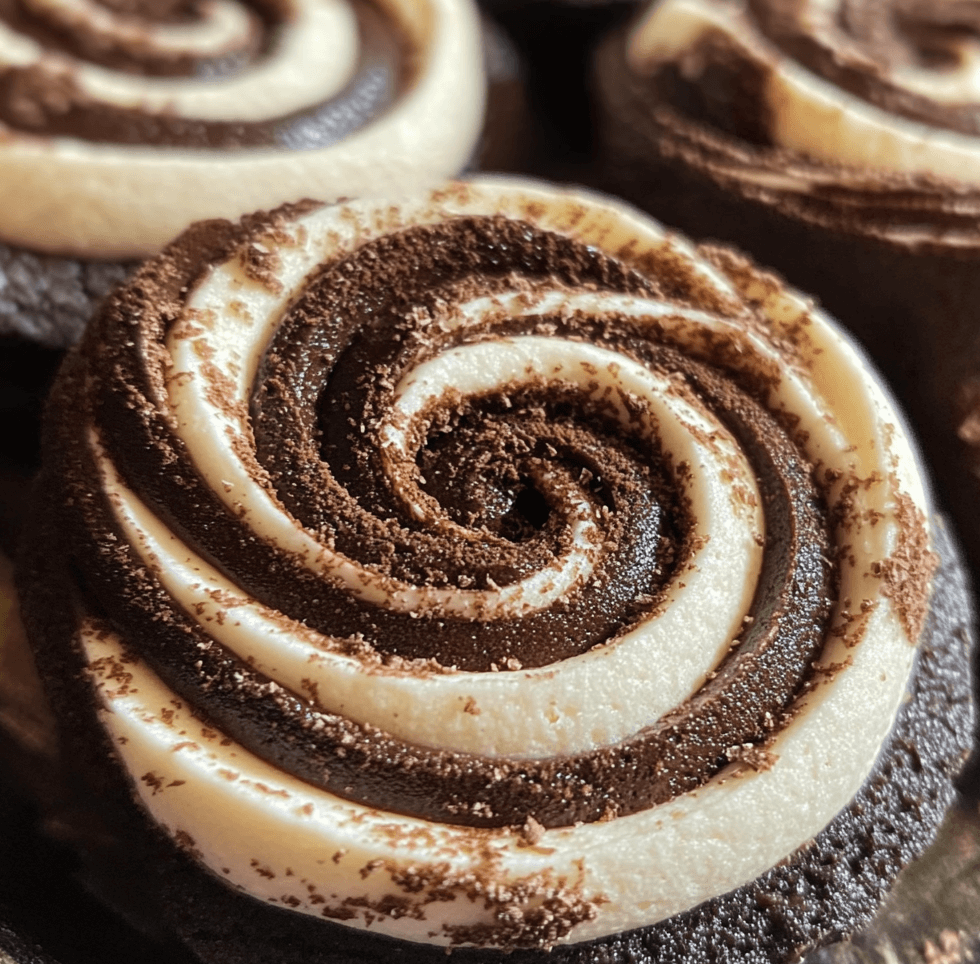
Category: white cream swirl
[290,843]
[73,195]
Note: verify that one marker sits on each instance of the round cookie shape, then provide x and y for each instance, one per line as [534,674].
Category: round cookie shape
[120,126]
[850,119]
[831,887]
[531,436]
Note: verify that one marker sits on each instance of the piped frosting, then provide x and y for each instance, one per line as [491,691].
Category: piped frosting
[859,117]
[632,522]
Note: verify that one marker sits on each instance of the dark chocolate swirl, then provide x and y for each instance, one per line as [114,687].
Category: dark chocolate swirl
[908,57]
[357,483]
[249,49]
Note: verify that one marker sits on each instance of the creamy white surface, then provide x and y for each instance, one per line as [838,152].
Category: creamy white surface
[65,195]
[645,866]
[811,115]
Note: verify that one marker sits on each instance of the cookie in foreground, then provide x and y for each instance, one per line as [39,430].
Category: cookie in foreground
[492,572]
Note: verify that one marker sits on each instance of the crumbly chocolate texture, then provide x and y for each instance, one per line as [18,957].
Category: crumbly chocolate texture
[718,133]
[125,374]
[893,258]
[823,892]
[48,299]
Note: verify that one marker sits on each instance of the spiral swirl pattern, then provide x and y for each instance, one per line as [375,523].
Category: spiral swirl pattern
[868,105]
[120,126]
[517,555]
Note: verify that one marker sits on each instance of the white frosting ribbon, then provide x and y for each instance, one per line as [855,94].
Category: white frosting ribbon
[592,700]
[65,195]
[294,76]
[275,836]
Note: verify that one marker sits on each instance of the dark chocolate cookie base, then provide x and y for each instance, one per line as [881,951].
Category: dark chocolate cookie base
[931,915]
[47,915]
[48,299]
[825,891]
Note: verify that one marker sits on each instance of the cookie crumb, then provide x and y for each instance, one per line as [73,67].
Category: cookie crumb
[532,832]
[948,951]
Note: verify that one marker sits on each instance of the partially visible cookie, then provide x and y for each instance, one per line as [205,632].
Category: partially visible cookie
[839,144]
[46,299]
[122,126]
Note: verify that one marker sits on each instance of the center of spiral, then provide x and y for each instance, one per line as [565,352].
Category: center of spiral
[479,490]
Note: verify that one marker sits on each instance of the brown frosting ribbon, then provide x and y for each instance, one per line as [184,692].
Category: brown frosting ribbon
[485,550]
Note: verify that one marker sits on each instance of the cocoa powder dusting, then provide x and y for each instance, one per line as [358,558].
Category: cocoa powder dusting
[907,573]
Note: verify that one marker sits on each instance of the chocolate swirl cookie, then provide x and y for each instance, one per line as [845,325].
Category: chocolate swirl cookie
[491,570]
[121,123]
[855,116]
[838,143]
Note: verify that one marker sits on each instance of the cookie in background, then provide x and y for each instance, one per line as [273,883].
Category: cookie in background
[838,143]
[121,127]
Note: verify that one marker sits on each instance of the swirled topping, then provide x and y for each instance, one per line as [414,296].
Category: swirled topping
[488,569]
[121,124]
[892,87]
